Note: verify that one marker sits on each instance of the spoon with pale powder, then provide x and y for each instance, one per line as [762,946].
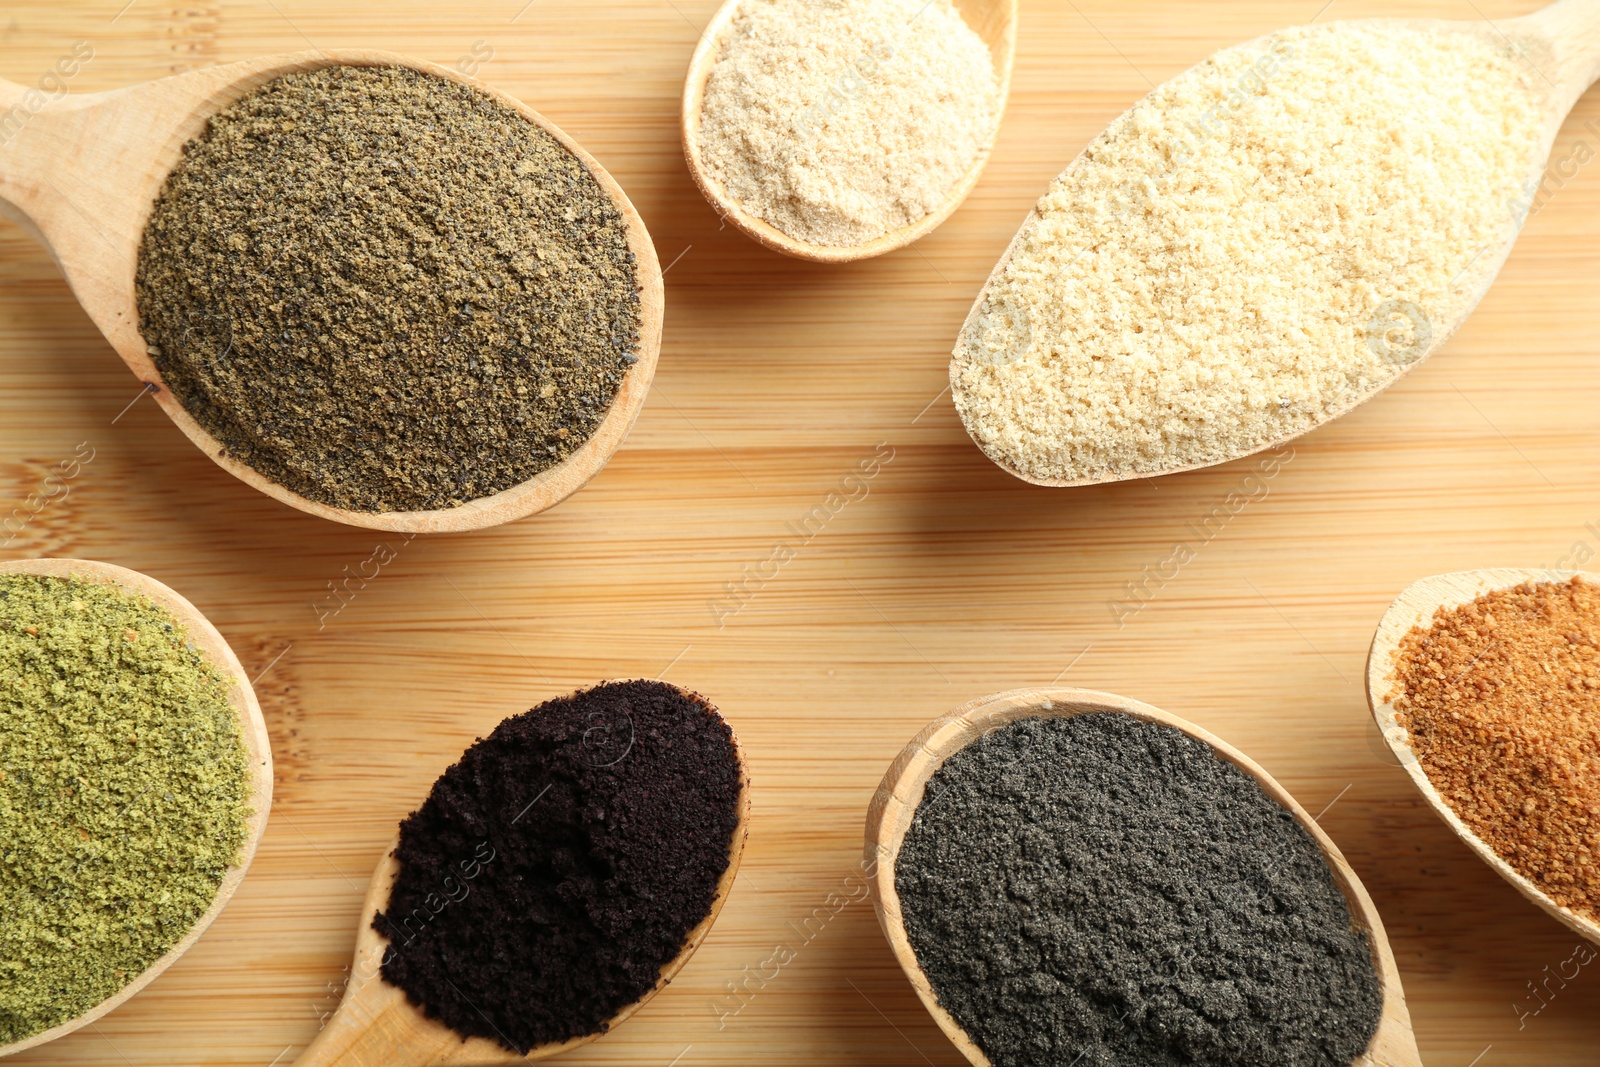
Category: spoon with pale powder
[841,130]
[1265,242]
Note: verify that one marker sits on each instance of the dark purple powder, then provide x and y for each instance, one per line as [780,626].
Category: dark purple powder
[564,860]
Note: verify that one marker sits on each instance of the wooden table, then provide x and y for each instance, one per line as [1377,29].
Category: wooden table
[948,580]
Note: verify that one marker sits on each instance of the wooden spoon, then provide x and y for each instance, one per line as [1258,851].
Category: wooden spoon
[995,21]
[82,175]
[253,730]
[1415,608]
[895,805]
[376,1026]
[1561,40]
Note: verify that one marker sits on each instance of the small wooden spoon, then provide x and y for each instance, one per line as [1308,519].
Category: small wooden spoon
[253,730]
[376,1026]
[1415,608]
[82,175]
[895,805]
[995,21]
[1562,41]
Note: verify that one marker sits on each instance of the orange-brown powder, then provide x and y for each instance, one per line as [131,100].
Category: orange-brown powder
[1502,700]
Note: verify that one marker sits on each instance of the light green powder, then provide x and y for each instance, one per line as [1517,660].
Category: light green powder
[124,788]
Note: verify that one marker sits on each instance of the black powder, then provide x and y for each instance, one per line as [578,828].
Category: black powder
[557,867]
[387,291]
[1106,892]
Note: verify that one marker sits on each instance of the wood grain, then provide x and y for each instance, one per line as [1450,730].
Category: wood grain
[946,580]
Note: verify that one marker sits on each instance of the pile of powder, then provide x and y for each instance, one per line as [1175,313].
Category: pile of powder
[837,121]
[1106,892]
[124,794]
[1257,245]
[1501,698]
[387,291]
[557,867]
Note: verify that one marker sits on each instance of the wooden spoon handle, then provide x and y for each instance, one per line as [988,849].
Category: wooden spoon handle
[373,1027]
[1571,31]
[56,165]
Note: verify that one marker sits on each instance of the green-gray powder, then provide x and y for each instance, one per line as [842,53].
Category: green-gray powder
[124,794]
[386,290]
[1101,891]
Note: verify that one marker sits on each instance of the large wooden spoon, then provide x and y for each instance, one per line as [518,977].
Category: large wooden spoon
[895,805]
[1415,607]
[253,730]
[376,1026]
[995,21]
[82,175]
[1562,41]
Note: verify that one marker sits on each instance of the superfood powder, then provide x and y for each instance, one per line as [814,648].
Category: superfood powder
[837,121]
[124,794]
[557,867]
[1258,244]
[1098,890]
[387,291]
[1501,698]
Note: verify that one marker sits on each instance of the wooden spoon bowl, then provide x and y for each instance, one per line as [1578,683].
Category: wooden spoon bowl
[252,729]
[1562,41]
[376,1026]
[895,806]
[1415,607]
[83,175]
[995,21]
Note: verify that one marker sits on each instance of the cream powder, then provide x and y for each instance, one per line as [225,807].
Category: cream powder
[1255,245]
[837,121]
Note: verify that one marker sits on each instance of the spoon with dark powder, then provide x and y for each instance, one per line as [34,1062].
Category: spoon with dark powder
[554,879]
[1069,876]
[363,284]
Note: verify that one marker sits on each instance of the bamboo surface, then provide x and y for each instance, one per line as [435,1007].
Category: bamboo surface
[947,580]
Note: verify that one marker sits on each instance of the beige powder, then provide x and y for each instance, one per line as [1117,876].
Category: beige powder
[837,121]
[1256,245]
